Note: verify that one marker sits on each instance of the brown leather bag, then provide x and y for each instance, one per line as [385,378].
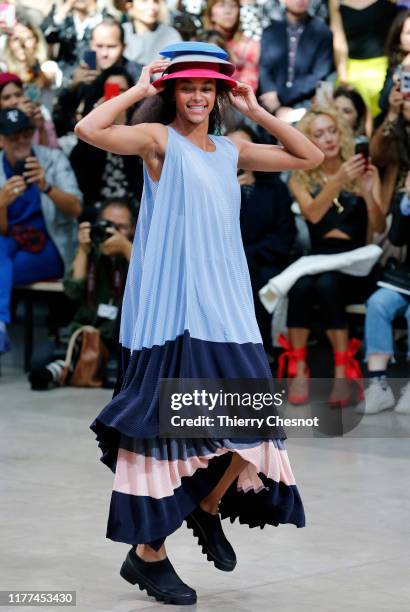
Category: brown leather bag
[93,355]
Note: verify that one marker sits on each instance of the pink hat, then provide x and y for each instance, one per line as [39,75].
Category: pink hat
[9,77]
[195,73]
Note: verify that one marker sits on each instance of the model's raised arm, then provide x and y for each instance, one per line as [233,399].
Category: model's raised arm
[296,153]
[98,127]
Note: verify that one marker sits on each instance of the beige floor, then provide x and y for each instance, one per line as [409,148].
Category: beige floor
[354,554]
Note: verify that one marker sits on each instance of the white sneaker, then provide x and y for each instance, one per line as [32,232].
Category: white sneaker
[377,397]
[403,405]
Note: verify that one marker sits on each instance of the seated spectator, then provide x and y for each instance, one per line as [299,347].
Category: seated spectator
[102,175]
[341,202]
[147,31]
[268,230]
[70,27]
[351,106]
[12,96]
[26,55]
[398,53]
[95,279]
[389,149]
[223,16]
[107,41]
[296,53]
[382,308]
[39,200]
[359,36]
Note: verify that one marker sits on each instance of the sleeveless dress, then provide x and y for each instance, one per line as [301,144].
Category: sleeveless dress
[188,313]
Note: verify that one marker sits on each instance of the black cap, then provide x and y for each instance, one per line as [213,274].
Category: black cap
[13,120]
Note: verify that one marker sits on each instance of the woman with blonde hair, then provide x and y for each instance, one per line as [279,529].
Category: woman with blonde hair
[224,17]
[26,55]
[341,203]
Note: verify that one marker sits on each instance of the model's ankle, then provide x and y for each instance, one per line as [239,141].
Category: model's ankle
[146,553]
[209,506]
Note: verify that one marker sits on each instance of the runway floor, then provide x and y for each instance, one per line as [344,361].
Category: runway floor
[354,553]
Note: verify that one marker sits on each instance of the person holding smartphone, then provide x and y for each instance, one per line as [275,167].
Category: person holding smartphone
[39,202]
[341,202]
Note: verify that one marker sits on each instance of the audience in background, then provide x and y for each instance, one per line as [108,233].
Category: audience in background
[352,107]
[296,53]
[12,96]
[102,175]
[360,30]
[147,31]
[268,230]
[95,279]
[39,201]
[385,305]
[107,40]
[398,54]
[70,27]
[26,55]
[223,16]
[342,205]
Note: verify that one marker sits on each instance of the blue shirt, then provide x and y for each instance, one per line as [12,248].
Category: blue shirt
[26,208]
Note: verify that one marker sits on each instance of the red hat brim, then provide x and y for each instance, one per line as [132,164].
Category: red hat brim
[195,73]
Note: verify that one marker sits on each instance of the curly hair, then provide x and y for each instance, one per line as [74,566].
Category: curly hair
[162,109]
[311,179]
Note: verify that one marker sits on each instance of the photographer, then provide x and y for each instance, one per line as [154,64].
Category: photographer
[39,199]
[95,282]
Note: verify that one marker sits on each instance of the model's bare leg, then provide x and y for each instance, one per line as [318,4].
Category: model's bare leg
[211,501]
[145,552]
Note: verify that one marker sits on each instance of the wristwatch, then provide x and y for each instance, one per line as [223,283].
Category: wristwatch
[47,189]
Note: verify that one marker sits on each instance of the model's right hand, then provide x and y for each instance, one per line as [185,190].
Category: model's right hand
[12,188]
[144,82]
[84,239]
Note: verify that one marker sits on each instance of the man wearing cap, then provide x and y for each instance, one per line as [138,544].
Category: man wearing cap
[39,201]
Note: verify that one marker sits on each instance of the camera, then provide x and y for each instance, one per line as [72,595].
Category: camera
[98,231]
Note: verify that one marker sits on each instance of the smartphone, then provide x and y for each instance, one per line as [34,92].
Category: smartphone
[405,81]
[19,167]
[8,14]
[324,93]
[32,92]
[111,90]
[90,58]
[362,146]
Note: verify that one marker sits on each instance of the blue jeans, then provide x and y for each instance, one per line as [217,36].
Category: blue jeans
[382,308]
[18,267]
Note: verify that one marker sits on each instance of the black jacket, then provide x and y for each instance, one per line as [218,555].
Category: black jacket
[314,60]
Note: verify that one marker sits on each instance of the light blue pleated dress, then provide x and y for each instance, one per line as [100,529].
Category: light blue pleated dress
[188,313]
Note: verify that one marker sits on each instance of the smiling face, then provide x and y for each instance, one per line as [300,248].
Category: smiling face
[22,42]
[11,96]
[195,98]
[325,135]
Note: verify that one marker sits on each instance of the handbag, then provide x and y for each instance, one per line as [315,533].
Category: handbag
[85,359]
[396,276]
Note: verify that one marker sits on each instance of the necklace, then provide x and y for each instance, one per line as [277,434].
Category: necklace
[340,208]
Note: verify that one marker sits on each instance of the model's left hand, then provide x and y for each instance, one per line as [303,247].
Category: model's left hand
[243,99]
[367,180]
[34,173]
[117,244]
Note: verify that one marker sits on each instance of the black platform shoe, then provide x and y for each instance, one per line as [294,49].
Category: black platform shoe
[208,529]
[158,578]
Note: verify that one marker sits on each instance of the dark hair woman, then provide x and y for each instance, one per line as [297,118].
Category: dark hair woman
[352,107]
[188,312]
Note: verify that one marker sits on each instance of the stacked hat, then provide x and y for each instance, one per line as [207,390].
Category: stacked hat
[196,60]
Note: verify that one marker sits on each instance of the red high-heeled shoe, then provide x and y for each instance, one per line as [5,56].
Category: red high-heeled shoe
[353,372]
[288,361]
